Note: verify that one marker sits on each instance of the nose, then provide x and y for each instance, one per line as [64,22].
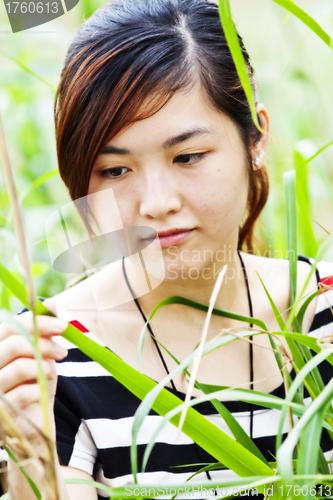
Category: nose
[159,194]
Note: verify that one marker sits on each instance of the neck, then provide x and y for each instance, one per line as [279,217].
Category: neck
[196,280]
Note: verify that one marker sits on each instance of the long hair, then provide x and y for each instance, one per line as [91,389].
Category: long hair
[130,50]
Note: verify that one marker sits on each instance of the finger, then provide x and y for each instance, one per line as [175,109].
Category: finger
[17,346]
[22,396]
[50,304]
[46,325]
[24,370]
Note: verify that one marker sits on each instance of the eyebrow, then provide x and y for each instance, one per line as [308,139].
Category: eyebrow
[169,143]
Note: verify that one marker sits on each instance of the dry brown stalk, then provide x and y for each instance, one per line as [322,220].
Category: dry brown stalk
[19,229]
[12,437]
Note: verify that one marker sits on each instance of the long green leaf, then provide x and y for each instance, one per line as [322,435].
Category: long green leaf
[207,435]
[310,384]
[285,452]
[25,68]
[14,285]
[276,312]
[273,403]
[305,305]
[319,151]
[236,429]
[32,484]
[289,179]
[306,19]
[239,394]
[310,247]
[321,252]
[86,482]
[237,55]
[296,383]
[176,299]
[42,179]
[309,448]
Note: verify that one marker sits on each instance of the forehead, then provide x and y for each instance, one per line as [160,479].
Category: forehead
[184,111]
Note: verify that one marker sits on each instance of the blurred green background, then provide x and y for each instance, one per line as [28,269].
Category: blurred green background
[294,69]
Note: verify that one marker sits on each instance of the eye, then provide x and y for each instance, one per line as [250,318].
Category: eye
[188,159]
[113,173]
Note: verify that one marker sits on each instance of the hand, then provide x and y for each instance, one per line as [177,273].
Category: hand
[19,369]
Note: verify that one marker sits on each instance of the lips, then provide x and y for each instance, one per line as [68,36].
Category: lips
[171,237]
[172,231]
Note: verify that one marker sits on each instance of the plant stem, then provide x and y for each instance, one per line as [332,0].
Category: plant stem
[19,229]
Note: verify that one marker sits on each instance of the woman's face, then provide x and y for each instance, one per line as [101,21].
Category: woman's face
[185,167]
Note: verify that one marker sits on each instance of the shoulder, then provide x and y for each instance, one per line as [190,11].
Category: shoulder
[104,291]
[274,273]
[103,304]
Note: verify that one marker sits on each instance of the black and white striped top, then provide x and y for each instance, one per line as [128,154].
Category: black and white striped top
[94,417]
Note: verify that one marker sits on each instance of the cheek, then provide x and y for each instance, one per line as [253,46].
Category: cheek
[223,196]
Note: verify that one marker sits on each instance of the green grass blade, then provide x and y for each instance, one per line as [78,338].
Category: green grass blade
[32,485]
[27,70]
[176,299]
[321,252]
[207,435]
[306,19]
[309,447]
[276,312]
[289,179]
[320,151]
[305,305]
[294,386]
[310,342]
[95,484]
[237,55]
[239,394]
[214,441]
[285,452]
[14,285]
[42,179]
[283,327]
[307,237]
[292,346]
[236,429]
[228,452]
[307,355]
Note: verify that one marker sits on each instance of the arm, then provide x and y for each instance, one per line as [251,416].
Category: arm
[79,491]
[19,487]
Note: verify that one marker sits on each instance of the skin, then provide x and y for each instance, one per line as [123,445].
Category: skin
[163,188]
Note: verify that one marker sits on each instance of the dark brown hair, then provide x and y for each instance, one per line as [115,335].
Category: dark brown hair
[130,50]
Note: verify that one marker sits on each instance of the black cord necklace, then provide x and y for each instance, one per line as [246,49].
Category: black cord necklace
[161,355]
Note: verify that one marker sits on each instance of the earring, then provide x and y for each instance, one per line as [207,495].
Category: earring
[259,159]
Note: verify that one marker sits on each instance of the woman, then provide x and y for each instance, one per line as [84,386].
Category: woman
[150,108]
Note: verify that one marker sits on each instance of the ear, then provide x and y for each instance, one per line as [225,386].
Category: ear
[259,149]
